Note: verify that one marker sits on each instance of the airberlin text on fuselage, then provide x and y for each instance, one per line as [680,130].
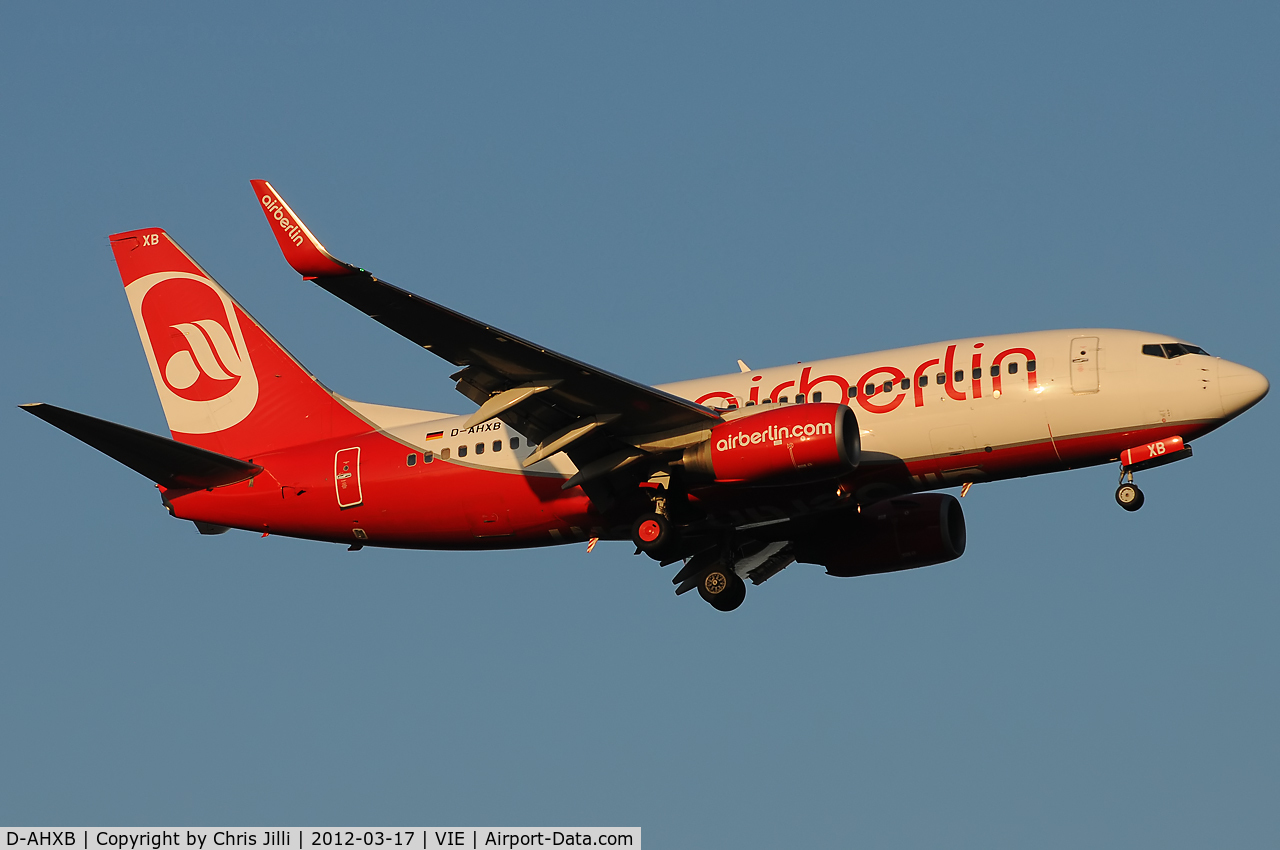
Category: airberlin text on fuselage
[973,373]
[276,210]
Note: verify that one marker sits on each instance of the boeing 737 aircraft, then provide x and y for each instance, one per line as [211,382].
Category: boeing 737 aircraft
[734,477]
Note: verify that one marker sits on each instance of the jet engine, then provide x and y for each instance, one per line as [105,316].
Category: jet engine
[896,534]
[803,442]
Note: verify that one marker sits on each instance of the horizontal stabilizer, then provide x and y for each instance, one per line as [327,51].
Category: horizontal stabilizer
[170,464]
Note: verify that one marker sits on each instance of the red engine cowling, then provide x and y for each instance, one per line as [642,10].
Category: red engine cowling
[803,442]
[896,534]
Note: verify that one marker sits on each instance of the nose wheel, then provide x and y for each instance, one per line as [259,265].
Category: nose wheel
[1128,496]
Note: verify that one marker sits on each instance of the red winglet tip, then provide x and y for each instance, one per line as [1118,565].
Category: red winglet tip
[300,247]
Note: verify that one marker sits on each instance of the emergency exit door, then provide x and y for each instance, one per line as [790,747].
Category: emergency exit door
[346,477]
[1084,364]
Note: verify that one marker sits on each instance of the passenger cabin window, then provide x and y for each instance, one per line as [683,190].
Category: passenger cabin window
[782,399]
[995,371]
[515,443]
[977,373]
[1013,368]
[462,451]
[767,401]
[411,460]
[888,386]
[750,404]
[497,445]
[959,376]
[869,389]
[906,383]
[817,397]
[479,448]
[444,454]
[853,392]
[800,399]
[427,457]
[942,378]
[528,442]
[924,381]
[1031,365]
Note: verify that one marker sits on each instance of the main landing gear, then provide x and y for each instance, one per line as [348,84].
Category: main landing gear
[711,572]
[722,588]
[654,535]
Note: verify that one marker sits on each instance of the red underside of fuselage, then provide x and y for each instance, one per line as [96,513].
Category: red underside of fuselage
[448,505]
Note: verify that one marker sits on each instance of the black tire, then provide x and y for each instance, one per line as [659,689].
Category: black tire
[654,535]
[722,588]
[1129,497]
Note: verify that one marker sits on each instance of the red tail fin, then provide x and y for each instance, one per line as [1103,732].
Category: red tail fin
[224,383]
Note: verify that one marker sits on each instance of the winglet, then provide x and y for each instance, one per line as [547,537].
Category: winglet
[301,249]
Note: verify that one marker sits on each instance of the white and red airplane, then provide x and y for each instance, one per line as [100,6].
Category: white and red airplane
[734,477]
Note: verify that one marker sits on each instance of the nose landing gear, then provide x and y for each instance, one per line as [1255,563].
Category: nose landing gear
[1128,496]
[1148,456]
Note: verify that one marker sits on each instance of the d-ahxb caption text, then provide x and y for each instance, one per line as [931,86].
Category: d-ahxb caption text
[295,838]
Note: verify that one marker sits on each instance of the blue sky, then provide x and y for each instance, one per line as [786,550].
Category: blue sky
[658,189]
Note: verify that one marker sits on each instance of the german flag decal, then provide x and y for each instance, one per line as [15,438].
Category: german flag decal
[435,435]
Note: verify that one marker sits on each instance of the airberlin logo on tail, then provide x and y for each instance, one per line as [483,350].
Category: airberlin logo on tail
[278,211]
[196,351]
[203,337]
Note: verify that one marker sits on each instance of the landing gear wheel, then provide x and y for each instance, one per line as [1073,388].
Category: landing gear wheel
[722,588]
[654,535]
[1129,497]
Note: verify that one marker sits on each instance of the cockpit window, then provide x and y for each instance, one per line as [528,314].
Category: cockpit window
[1171,350]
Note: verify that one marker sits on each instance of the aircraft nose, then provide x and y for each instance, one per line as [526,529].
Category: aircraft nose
[1240,386]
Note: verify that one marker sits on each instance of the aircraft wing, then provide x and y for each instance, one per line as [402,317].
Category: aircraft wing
[562,403]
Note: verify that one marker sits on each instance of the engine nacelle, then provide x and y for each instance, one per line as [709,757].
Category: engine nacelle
[803,442]
[896,534]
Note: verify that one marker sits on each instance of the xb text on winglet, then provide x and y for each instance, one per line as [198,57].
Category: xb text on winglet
[301,249]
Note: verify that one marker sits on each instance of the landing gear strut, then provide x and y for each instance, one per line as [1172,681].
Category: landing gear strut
[1128,496]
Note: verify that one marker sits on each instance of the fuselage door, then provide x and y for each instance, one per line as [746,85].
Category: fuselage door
[346,477]
[1084,364]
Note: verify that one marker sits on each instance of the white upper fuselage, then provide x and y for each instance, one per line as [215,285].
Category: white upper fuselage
[1074,393]
[1090,381]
